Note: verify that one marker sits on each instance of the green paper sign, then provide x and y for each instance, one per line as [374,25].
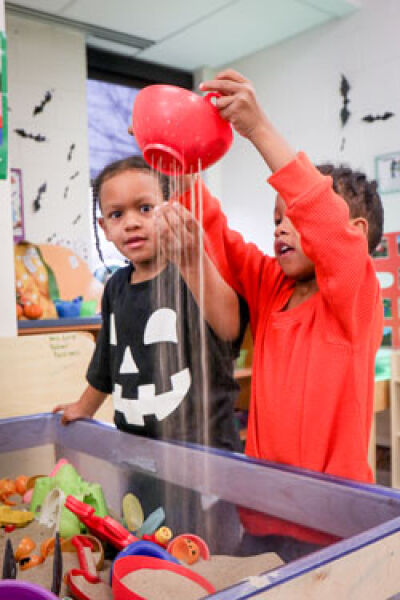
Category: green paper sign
[4,109]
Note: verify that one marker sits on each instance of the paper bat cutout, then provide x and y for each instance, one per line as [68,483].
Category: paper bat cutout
[36,138]
[74,175]
[40,192]
[40,107]
[77,218]
[372,118]
[66,190]
[344,92]
[71,149]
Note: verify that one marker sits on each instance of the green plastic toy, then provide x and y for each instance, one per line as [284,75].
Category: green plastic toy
[69,481]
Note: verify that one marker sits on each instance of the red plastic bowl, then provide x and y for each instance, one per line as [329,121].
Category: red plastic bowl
[179,131]
[128,564]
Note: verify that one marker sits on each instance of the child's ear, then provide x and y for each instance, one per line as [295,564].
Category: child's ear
[361,224]
[100,221]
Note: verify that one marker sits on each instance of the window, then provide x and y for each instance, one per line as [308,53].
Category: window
[109,109]
[112,86]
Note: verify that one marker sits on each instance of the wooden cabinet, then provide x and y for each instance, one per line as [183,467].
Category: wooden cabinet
[395,419]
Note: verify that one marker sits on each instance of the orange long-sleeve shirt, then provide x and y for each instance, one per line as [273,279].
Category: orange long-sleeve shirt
[313,366]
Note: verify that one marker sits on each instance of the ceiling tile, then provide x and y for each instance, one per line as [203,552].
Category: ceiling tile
[151,19]
[240,29]
[189,35]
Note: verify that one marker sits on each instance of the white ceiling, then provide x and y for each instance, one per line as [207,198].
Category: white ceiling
[188,34]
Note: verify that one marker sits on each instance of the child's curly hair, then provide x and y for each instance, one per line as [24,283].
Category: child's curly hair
[132,163]
[361,196]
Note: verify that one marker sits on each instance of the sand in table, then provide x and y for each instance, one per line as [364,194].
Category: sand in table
[162,585]
[224,571]
[97,591]
[220,571]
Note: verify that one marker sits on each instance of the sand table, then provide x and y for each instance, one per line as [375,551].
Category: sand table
[220,571]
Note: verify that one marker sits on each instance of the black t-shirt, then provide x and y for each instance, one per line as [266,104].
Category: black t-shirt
[163,364]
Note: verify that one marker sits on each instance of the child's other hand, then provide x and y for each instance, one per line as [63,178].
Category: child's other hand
[179,234]
[72,412]
[238,103]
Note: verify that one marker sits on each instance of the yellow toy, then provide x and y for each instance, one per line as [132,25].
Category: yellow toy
[20,518]
[163,536]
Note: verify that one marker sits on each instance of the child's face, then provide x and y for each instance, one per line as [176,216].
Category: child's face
[127,202]
[288,250]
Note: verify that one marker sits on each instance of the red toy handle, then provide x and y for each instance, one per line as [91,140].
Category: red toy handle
[86,562]
[212,95]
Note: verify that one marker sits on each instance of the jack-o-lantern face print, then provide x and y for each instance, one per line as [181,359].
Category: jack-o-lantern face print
[160,327]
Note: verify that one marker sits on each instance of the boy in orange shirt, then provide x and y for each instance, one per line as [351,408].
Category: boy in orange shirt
[315,309]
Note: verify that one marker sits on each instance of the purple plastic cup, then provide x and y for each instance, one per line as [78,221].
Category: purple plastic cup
[22,590]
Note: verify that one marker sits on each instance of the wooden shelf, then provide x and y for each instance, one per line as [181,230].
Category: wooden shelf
[89,324]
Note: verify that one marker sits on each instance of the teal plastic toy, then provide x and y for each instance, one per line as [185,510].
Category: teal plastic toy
[69,481]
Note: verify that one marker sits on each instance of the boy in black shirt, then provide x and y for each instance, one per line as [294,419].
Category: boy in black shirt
[168,364]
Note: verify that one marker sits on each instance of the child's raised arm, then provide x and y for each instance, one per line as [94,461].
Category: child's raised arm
[344,271]
[182,243]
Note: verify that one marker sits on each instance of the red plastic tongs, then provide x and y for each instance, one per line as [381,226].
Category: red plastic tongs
[107,528]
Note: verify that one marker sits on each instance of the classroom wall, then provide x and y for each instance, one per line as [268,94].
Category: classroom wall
[48,59]
[298,83]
